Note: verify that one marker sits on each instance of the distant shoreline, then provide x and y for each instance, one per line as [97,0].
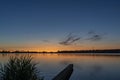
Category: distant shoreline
[105,51]
[93,51]
[68,51]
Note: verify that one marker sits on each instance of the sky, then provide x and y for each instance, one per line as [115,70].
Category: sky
[51,25]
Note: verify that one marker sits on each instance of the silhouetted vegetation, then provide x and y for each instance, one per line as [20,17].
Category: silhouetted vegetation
[92,51]
[67,51]
[5,51]
[21,68]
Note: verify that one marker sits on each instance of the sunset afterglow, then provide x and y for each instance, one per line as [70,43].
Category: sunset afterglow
[59,25]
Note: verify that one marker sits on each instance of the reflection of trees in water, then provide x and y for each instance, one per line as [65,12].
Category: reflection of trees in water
[15,54]
[9,54]
[4,54]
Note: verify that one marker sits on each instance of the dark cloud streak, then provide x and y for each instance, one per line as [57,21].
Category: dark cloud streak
[70,39]
[91,36]
[46,41]
[94,36]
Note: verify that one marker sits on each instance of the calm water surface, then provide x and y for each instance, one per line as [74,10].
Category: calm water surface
[85,67]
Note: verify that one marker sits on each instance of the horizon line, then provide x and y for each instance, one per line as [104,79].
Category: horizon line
[56,51]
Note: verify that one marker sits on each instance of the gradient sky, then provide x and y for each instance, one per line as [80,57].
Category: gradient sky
[42,24]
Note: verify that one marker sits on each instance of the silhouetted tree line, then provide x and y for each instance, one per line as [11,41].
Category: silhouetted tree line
[92,51]
[69,51]
[21,52]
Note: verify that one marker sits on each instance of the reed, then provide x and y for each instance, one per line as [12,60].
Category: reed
[19,68]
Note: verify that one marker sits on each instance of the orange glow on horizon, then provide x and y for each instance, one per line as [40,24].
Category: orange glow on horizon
[52,47]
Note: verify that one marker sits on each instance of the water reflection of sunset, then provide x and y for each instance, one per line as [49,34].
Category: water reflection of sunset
[50,64]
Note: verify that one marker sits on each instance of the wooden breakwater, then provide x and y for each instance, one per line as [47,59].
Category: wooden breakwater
[65,73]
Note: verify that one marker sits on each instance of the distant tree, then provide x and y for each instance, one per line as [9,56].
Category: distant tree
[21,68]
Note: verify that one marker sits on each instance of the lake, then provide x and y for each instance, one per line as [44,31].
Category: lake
[85,67]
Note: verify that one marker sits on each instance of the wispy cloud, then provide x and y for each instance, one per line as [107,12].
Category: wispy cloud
[93,36]
[70,39]
[46,41]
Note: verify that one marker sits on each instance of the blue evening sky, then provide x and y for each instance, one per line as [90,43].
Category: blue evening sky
[32,23]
